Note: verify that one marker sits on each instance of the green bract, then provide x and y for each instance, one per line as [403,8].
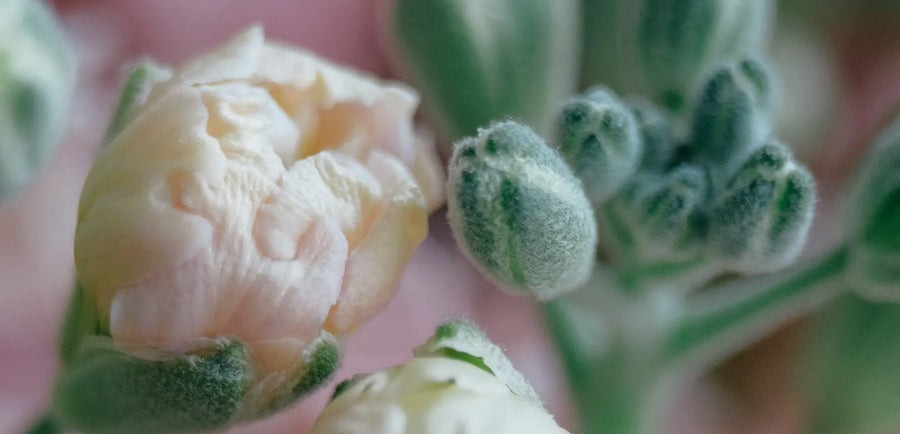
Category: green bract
[37,73]
[518,212]
[600,140]
[476,61]
[661,48]
[874,220]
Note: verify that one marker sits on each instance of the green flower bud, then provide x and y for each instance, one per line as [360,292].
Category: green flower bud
[678,40]
[477,61]
[601,142]
[37,74]
[662,212]
[518,212]
[656,135]
[874,220]
[458,382]
[733,115]
[760,221]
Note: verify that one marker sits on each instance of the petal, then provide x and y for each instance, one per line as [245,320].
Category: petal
[375,266]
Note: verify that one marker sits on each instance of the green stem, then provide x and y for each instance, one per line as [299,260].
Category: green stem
[609,382]
[719,322]
[46,424]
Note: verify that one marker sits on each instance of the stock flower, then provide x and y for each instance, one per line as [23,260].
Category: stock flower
[36,77]
[250,204]
[459,382]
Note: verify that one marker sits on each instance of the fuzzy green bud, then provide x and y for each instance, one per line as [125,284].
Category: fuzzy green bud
[658,147]
[518,212]
[601,142]
[874,220]
[761,219]
[37,73]
[663,212]
[678,40]
[476,61]
[734,114]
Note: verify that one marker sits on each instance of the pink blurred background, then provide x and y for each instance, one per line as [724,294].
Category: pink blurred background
[37,228]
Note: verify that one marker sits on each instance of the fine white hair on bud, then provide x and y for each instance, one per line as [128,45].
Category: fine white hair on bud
[37,73]
[601,142]
[761,219]
[733,115]
[874,220]
[458,382]
[519,213]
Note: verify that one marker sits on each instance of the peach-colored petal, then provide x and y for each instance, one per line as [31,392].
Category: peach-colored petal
[375,266]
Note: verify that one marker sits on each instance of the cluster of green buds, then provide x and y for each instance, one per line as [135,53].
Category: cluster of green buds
[725,197]
[37,73]
[250,209]
[458,382]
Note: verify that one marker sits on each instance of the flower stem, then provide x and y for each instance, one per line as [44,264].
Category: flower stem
[718,322]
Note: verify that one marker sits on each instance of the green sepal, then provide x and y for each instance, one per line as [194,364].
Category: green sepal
[462,340]
[108,390]
[81,321]
[138,83]
[760,221]
[600,140]
[319,362]
[733,115]
[658,147]
[477,61]
[519,213]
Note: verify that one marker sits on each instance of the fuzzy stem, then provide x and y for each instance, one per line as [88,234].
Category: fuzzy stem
[716,323]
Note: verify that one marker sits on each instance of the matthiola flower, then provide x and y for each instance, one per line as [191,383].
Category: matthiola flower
[249,205]
[459,382]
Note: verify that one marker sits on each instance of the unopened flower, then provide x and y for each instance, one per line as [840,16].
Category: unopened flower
[257,195]
[36,77]
[458,383]
[519,213]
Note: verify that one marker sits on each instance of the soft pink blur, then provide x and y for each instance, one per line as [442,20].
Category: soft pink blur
[36,230]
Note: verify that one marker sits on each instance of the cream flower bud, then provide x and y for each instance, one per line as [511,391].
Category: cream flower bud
[258,194]
[459,382]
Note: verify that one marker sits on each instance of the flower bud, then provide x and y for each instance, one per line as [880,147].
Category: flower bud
[518,213]
[733,115]
[658,147]
[759,223]
[446,388]
[257,196]
[37,73]
[874,220]
[478,61]
[601,142]
[678,41]
[660,212]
